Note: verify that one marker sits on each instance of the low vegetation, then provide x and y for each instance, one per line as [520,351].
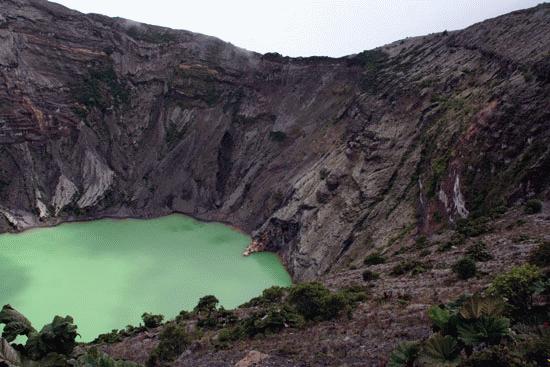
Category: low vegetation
[465,268]
[498,327]
[276,309]
[533,206]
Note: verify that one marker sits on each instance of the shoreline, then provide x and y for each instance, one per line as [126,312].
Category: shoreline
[250,249]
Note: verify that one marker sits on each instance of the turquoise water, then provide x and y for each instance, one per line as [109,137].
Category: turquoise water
[106,273]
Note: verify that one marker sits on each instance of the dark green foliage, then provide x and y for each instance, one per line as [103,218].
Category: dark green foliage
[183,315]
[518,286]
[265,321]
[216,318]
[374,259]
[465,268]
[315,302]
[369,59]
[274,294]
[536,345]
[473,227]
[15,323]
[173,340]
[94,358]
[151,34]
[478,252]
[100,88]
[487,329]
[108,338]
[152,321]
[207,304]
[457,239]
[472,332]
[533,206]
[478,320]
[541,255]
[440,351]
[497,356]
[57,337]
[369,276]
[406,266]
[278,136]
[404,355]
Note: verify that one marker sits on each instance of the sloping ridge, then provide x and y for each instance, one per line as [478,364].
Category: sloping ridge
[322,159]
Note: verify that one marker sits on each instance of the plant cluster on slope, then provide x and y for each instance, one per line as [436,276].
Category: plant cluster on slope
[500,327]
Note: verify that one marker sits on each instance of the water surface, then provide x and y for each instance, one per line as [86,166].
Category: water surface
[106,273]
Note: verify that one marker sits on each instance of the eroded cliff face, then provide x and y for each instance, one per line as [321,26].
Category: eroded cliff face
[322,159]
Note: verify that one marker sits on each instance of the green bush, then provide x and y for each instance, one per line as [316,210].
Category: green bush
[277,136]
[374,259]
[404,354]
[472,227]
[274,294]
[533,206]
[406,266]
[57,337]
[315,302]
[465,268]
[369,276]
[457,239]
[478,252]
[518,286]
[206,304]
[496,356]
[440,351]
[173,340]
[94,358]
[152,321]
[541,255]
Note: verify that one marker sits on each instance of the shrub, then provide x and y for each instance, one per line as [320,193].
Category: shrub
[266,321]
[456,240]
[206,303]
[533,206]
[277,136]
[183,315]
[57,337]
[94,358]
[370,276]
[495,356]
[404,355]
[152,321]
[315,302]
[472,227]
[374,259]
[440,351]
[478,252]
[173,340]
[541,255]
[404,267]
[274,294]
[518,286]
[465,268]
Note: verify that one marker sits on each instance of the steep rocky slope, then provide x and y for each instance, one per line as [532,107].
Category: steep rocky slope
[322,159]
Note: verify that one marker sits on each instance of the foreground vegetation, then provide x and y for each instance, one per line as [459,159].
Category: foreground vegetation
[505,325]
[274,310]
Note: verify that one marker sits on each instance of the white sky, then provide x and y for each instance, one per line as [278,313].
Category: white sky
[306,27]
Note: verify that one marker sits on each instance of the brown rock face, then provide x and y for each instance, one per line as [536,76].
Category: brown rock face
[321,159]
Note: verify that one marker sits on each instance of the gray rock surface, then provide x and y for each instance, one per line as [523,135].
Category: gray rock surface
[322,159]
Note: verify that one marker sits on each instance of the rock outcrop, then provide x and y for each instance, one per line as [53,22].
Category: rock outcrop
[322,159]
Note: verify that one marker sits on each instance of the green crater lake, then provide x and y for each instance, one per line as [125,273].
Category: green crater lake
[106,273]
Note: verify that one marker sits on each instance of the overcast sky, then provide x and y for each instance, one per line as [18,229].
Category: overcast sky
[306,27]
